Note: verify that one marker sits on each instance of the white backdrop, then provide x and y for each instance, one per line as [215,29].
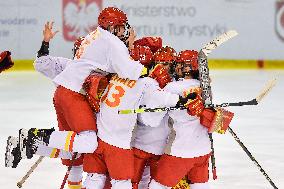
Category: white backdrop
[183,24]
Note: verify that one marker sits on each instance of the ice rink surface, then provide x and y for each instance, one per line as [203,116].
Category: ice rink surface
[26,101]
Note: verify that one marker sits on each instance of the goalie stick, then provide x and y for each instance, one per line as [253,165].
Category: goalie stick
[254,101]
[205,80]
[207,98]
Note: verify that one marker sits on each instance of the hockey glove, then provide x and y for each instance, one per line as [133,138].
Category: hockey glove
[161,75]
[184,101]
[195,107]
[216,120]
[94,87]
[44,49]
[5,61]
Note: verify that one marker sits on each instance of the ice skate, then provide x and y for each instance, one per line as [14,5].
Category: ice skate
[35,138]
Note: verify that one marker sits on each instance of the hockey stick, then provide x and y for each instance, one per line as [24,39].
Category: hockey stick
[207,49]
[254,101]
[257,99]
[33,167]
[68,171]
[251,157]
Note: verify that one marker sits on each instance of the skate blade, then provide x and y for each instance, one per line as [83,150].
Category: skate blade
[11,144]
[23,136]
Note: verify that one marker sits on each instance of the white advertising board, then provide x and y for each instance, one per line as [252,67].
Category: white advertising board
[183,24]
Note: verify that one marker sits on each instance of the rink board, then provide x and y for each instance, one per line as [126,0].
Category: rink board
[27,65]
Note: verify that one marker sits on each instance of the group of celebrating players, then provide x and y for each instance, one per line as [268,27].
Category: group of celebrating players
[112,71]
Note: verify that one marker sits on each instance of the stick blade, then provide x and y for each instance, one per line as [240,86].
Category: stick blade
[207,49]
[266,90]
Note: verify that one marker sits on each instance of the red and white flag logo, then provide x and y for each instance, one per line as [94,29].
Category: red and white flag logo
[80,17]
[279,22]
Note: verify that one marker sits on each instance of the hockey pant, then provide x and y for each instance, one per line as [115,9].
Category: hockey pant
[76,122]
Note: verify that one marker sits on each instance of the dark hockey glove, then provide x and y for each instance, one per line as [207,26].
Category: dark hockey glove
[184,101]
[5,61]
[44,49]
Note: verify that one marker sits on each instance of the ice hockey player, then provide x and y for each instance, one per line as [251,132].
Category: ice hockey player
[49,66]
[103,49]
[150,139]
[5,61]
[190,150]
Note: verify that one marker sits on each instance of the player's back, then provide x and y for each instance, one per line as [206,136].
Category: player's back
[113,128]
[191,137]
[99,50]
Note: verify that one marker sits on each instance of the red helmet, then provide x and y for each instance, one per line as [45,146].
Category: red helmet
[5,61]
[165,55]
[188,57]
[112,16]
[142,54]
[154,43]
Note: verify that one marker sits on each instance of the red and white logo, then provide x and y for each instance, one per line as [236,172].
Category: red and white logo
[279,22]
[80,17]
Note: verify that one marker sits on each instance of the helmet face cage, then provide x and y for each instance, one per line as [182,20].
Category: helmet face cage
[183,69]
[126,34]
[124,37]
[176,70]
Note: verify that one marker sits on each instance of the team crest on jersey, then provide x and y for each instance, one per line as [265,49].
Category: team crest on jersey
[279,19]
[80,17]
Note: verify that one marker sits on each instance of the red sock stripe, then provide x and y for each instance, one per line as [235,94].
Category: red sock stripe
[71,142]
[74,183]
[56,153]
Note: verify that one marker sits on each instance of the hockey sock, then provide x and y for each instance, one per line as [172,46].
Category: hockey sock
[83,142]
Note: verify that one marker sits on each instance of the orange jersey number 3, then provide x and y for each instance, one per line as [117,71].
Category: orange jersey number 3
[115,95]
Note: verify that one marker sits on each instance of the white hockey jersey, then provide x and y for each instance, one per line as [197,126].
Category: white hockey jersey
[152,139]
[116,129]
[151,136]
[99,50]
[51,66]
[192,138]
